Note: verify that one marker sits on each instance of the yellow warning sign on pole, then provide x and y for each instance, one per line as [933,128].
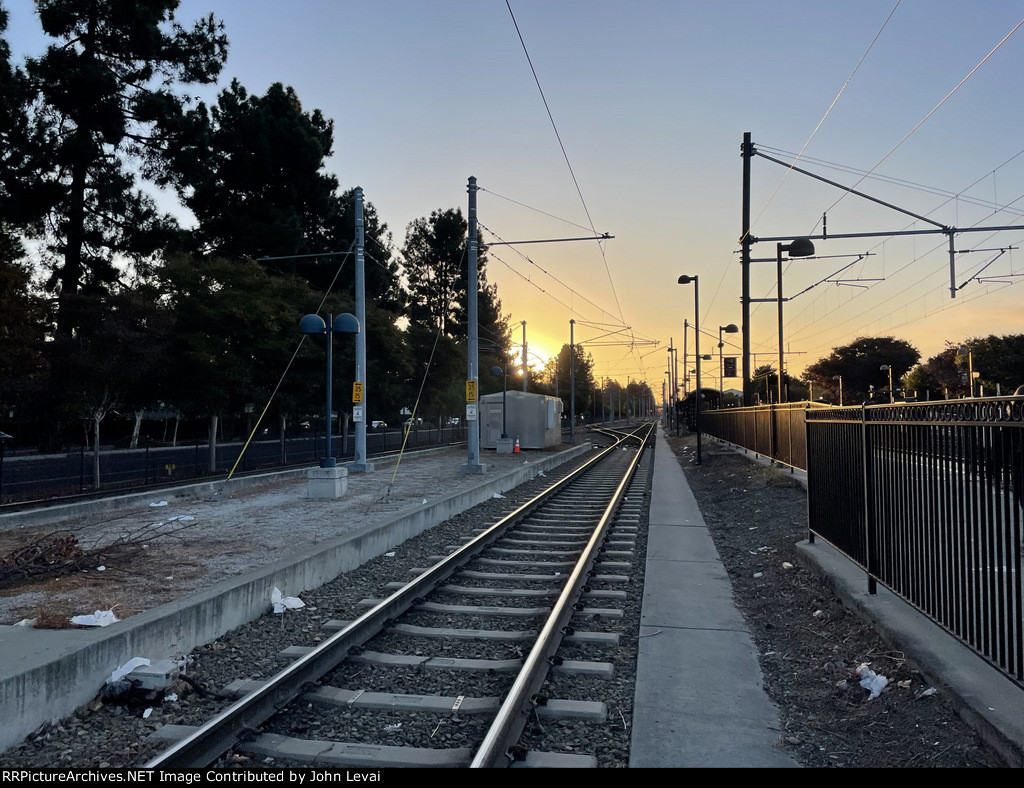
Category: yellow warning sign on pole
[470,391]
[357,393]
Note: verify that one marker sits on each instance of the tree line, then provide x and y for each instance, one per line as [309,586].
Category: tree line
[863,370]
[114,304]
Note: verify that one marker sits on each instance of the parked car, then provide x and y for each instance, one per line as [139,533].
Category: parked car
[377,424]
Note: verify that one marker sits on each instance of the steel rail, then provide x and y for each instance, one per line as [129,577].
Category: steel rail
[514,712]
[218,735]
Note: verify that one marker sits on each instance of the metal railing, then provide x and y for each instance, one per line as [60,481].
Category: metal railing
[33,477]
[775,431]
[927,498]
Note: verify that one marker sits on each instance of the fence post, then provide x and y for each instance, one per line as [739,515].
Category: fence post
[869,552]
[807,462]
[81,469]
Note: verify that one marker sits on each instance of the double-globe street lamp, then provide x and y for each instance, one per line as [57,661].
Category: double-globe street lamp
[342,324]
[685,280]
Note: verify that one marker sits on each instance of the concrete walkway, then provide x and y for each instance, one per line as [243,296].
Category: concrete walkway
[700,701]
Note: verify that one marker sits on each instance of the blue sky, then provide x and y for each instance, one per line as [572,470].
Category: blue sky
[651,100]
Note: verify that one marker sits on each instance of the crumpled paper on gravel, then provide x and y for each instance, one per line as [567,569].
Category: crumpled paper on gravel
[282,602]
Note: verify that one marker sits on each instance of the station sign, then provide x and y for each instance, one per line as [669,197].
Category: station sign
[357,413]
[729,367]
[471,412]
[470,391]
[357,392]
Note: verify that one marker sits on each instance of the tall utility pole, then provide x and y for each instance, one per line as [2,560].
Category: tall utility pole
[671,386]
[747,152]
[572,381]
[359,410]
[473,464]
[525,374]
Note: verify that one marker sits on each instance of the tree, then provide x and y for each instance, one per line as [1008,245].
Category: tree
[583,373]
[104,94]
[110,357]
[22,369]
[252,172]
[435,265]
[236,327]
[437,272]
[937,377]
[997,360]
[859,364]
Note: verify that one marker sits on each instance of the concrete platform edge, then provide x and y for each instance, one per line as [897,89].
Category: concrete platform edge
[66,511]
[77,662]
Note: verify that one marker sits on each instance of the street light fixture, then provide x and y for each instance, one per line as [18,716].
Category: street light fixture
[732,328]
[342,324]
[799,247]
[840,379]
[887,368]
[685,280]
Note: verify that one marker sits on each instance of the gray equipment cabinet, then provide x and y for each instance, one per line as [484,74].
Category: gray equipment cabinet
[535,419]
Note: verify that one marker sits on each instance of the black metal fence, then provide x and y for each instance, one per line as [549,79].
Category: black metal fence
[27,477]
[775,431]
[927,499]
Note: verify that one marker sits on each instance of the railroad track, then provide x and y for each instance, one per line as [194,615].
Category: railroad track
[450,669]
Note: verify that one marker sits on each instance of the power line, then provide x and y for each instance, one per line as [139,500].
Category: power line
[565,155]
[933,111]
[808,142]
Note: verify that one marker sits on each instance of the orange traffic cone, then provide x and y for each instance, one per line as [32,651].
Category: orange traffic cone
[515,449]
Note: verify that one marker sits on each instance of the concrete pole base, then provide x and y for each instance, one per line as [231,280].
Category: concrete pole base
[327,482]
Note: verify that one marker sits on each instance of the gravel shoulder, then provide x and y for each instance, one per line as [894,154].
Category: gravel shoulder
[810,644]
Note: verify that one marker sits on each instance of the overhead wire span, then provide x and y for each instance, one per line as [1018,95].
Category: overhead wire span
[835,100]
[932,112]
[565,155]
[531,208]
[288,366]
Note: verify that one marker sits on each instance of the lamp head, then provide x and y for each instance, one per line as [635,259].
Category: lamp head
[497,371]
[346,323]
[312,324]
[685,280]
[800,247]
[884,368]
[732,328]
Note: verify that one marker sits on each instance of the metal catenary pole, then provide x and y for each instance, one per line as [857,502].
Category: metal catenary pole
[473,464]
[359,410]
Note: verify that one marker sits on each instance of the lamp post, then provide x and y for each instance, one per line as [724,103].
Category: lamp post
[685,280]
[496,370]
[732,328]
[800,247]
[840,379]
[970,366]
[4,437]
[887,368]
[342,324]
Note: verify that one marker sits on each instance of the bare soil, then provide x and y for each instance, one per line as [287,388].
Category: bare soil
[810,644]
[139,558]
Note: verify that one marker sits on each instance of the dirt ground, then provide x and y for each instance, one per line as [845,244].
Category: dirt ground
[133,560]
[810,644]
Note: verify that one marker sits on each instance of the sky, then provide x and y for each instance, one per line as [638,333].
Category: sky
[916,103]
